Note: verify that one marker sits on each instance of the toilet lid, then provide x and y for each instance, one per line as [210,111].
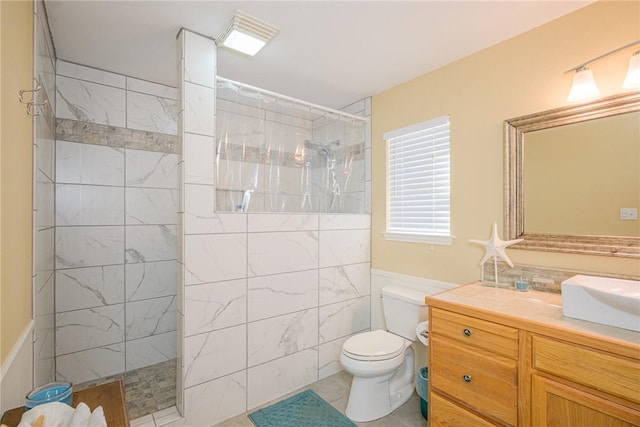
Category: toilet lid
[374,345]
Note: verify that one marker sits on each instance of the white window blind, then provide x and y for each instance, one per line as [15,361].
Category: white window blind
[419,183]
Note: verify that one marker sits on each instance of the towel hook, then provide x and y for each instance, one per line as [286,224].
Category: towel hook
[31,107]
[23,91]
[31,103]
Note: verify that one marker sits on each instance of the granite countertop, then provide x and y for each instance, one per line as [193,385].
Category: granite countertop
[531,310]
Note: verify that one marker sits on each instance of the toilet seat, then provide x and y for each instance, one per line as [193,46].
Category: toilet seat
[374,345]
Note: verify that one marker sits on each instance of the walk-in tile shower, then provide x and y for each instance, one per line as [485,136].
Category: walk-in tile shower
[215,226]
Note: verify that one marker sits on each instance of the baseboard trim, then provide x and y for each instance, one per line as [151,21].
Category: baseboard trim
[26,335]
[16,374]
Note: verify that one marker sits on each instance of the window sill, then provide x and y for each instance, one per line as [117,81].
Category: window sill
[419,238]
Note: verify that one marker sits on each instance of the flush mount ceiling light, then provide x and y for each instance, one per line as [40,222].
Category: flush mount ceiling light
[584,86]
[246,34]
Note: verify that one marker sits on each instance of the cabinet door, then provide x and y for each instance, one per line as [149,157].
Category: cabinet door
[558,405]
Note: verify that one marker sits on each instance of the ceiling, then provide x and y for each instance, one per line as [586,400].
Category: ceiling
[331,53]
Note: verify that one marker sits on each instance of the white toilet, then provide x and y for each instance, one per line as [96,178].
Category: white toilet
[382,363]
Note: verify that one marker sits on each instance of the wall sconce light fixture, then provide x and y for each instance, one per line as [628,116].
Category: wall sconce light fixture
[246,34]
[632,81]
[584,86]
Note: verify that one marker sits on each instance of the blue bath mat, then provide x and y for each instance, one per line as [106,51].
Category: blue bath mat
[305,409]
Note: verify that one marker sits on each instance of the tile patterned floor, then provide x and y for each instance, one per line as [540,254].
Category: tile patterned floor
[335,390]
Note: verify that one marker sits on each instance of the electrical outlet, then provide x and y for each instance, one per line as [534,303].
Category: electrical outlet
[628,214]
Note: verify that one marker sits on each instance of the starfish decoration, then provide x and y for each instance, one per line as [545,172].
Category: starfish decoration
[495,248]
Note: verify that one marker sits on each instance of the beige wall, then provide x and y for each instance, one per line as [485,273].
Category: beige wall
[520,76]
[16,40]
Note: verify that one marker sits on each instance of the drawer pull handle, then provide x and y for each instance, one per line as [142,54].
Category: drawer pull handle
[466,378]
[467,332]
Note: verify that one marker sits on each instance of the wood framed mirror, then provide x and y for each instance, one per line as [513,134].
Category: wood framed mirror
[564,203]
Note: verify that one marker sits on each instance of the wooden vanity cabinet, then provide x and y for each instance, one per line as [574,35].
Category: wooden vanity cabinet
[491,368]
[574,385]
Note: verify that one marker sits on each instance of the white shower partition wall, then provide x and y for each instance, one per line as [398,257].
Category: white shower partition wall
[278,154]
[266,299]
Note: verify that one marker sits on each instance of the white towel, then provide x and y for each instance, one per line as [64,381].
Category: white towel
[97,418]
[58,414]
[80,416]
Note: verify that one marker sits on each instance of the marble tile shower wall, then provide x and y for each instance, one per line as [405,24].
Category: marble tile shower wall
[116,223]
[267,299]
[43,215]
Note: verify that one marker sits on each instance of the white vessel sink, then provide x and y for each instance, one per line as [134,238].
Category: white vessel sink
[613,302]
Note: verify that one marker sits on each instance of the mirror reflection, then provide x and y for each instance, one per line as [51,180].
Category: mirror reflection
[570,174]
[583,178]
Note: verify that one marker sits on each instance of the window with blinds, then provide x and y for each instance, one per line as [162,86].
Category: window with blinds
[418,196]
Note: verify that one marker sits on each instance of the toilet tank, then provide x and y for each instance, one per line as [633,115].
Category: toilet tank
[403,309]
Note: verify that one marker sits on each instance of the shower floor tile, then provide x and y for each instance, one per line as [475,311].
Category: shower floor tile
[147,390]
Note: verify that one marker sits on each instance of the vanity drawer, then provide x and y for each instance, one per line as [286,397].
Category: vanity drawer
[615,375]
[443,413]
[480,333]
[483,380]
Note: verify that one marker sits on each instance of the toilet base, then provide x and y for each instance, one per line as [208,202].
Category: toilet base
[373,398]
